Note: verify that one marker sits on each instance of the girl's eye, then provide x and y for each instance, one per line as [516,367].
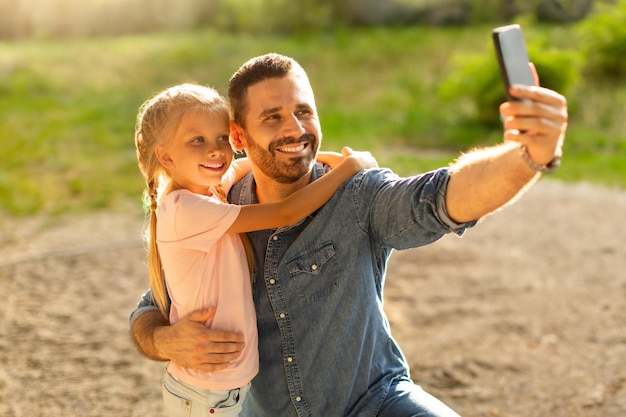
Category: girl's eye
[223,138]
[198,139]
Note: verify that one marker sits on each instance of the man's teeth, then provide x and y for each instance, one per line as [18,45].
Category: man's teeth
[298,148]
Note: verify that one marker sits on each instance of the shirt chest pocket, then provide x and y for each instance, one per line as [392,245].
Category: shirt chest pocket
[312,274]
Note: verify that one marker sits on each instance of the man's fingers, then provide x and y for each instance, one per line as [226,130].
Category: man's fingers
[202,316]
[535,125]
[221,341]
[538,94]
[533,70]
[534,109]
[193,345]
[210,351]
[538,121]
[543,113]
[220,357]
[220,353]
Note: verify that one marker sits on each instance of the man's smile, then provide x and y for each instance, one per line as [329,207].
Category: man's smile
[293,148]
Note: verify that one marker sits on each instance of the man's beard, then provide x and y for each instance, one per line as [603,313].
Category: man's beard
[286,172]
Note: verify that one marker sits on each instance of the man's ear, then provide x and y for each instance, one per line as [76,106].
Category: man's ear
[237,140]
[164,157]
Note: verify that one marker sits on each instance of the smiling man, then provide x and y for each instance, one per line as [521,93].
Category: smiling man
[276,121]
[325,345]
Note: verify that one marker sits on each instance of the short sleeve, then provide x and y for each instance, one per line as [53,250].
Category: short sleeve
[193,220]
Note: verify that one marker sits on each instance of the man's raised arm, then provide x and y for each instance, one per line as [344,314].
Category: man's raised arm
[484,180]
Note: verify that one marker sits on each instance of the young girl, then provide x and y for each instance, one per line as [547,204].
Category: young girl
[196,256]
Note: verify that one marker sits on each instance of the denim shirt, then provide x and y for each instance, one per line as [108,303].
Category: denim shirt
[325,345]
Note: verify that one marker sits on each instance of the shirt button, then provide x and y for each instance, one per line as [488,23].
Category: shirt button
[281,315]
[274,237]
[290,359]
[314,267]
[272,281]
[298,398]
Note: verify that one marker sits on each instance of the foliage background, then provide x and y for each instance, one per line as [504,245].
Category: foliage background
[413,81]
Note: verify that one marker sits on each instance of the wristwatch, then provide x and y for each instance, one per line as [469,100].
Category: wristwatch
[544,169]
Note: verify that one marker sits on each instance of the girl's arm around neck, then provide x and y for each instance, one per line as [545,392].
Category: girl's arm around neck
[242,168]
[304,201]
[332,159]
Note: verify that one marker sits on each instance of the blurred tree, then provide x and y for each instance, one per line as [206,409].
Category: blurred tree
[62,18]
[476,77]
[394,12]
[456,12]
[603,41]
[563,10]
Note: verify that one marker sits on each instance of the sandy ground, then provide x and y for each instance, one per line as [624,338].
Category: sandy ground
[523,316]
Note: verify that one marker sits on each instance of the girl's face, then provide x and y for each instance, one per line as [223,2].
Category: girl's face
[199,152]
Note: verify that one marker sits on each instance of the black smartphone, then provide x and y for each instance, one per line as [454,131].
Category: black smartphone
[512,56]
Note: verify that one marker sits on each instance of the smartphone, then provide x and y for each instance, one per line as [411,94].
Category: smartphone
[512,56]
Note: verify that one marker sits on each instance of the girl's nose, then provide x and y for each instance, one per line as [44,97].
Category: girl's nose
[215,152]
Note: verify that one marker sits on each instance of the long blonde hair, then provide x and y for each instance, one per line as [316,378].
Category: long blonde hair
[157,119]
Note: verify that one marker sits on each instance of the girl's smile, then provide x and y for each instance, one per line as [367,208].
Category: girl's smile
[198,153]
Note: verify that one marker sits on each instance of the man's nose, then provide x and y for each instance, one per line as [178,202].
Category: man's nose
[293,127]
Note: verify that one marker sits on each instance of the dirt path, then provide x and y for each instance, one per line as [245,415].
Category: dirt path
[524,316]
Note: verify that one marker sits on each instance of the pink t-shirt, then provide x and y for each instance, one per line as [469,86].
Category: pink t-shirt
[205,266]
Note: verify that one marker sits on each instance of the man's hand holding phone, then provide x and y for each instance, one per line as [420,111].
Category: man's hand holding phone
[534,116]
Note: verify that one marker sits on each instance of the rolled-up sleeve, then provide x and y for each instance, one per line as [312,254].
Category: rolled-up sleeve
[442,212]
[406,212]
[144,305]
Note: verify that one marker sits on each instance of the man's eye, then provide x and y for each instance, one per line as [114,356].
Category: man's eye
[302,113]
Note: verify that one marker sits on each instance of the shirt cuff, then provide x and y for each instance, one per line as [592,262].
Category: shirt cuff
[139,311]
[442,212]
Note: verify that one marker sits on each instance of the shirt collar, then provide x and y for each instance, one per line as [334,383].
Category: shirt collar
[247,185]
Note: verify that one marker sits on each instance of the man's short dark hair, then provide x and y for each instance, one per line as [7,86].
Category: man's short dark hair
[255,70]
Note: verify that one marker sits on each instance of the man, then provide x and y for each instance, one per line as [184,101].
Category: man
[324,341]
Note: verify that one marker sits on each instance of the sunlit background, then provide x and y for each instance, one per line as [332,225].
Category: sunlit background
[54,18]
[524,316]
[414,81]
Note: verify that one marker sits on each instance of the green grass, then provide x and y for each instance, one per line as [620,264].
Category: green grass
[68,108]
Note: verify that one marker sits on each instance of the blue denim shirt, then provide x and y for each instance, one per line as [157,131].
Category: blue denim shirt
[324,341]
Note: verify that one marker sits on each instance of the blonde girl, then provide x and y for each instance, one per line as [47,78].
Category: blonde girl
[196,256]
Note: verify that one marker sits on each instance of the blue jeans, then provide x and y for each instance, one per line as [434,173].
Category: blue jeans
[182,400]
[409,400]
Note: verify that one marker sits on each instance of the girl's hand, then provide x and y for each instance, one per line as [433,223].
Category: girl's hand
[359,160]
[332,159]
